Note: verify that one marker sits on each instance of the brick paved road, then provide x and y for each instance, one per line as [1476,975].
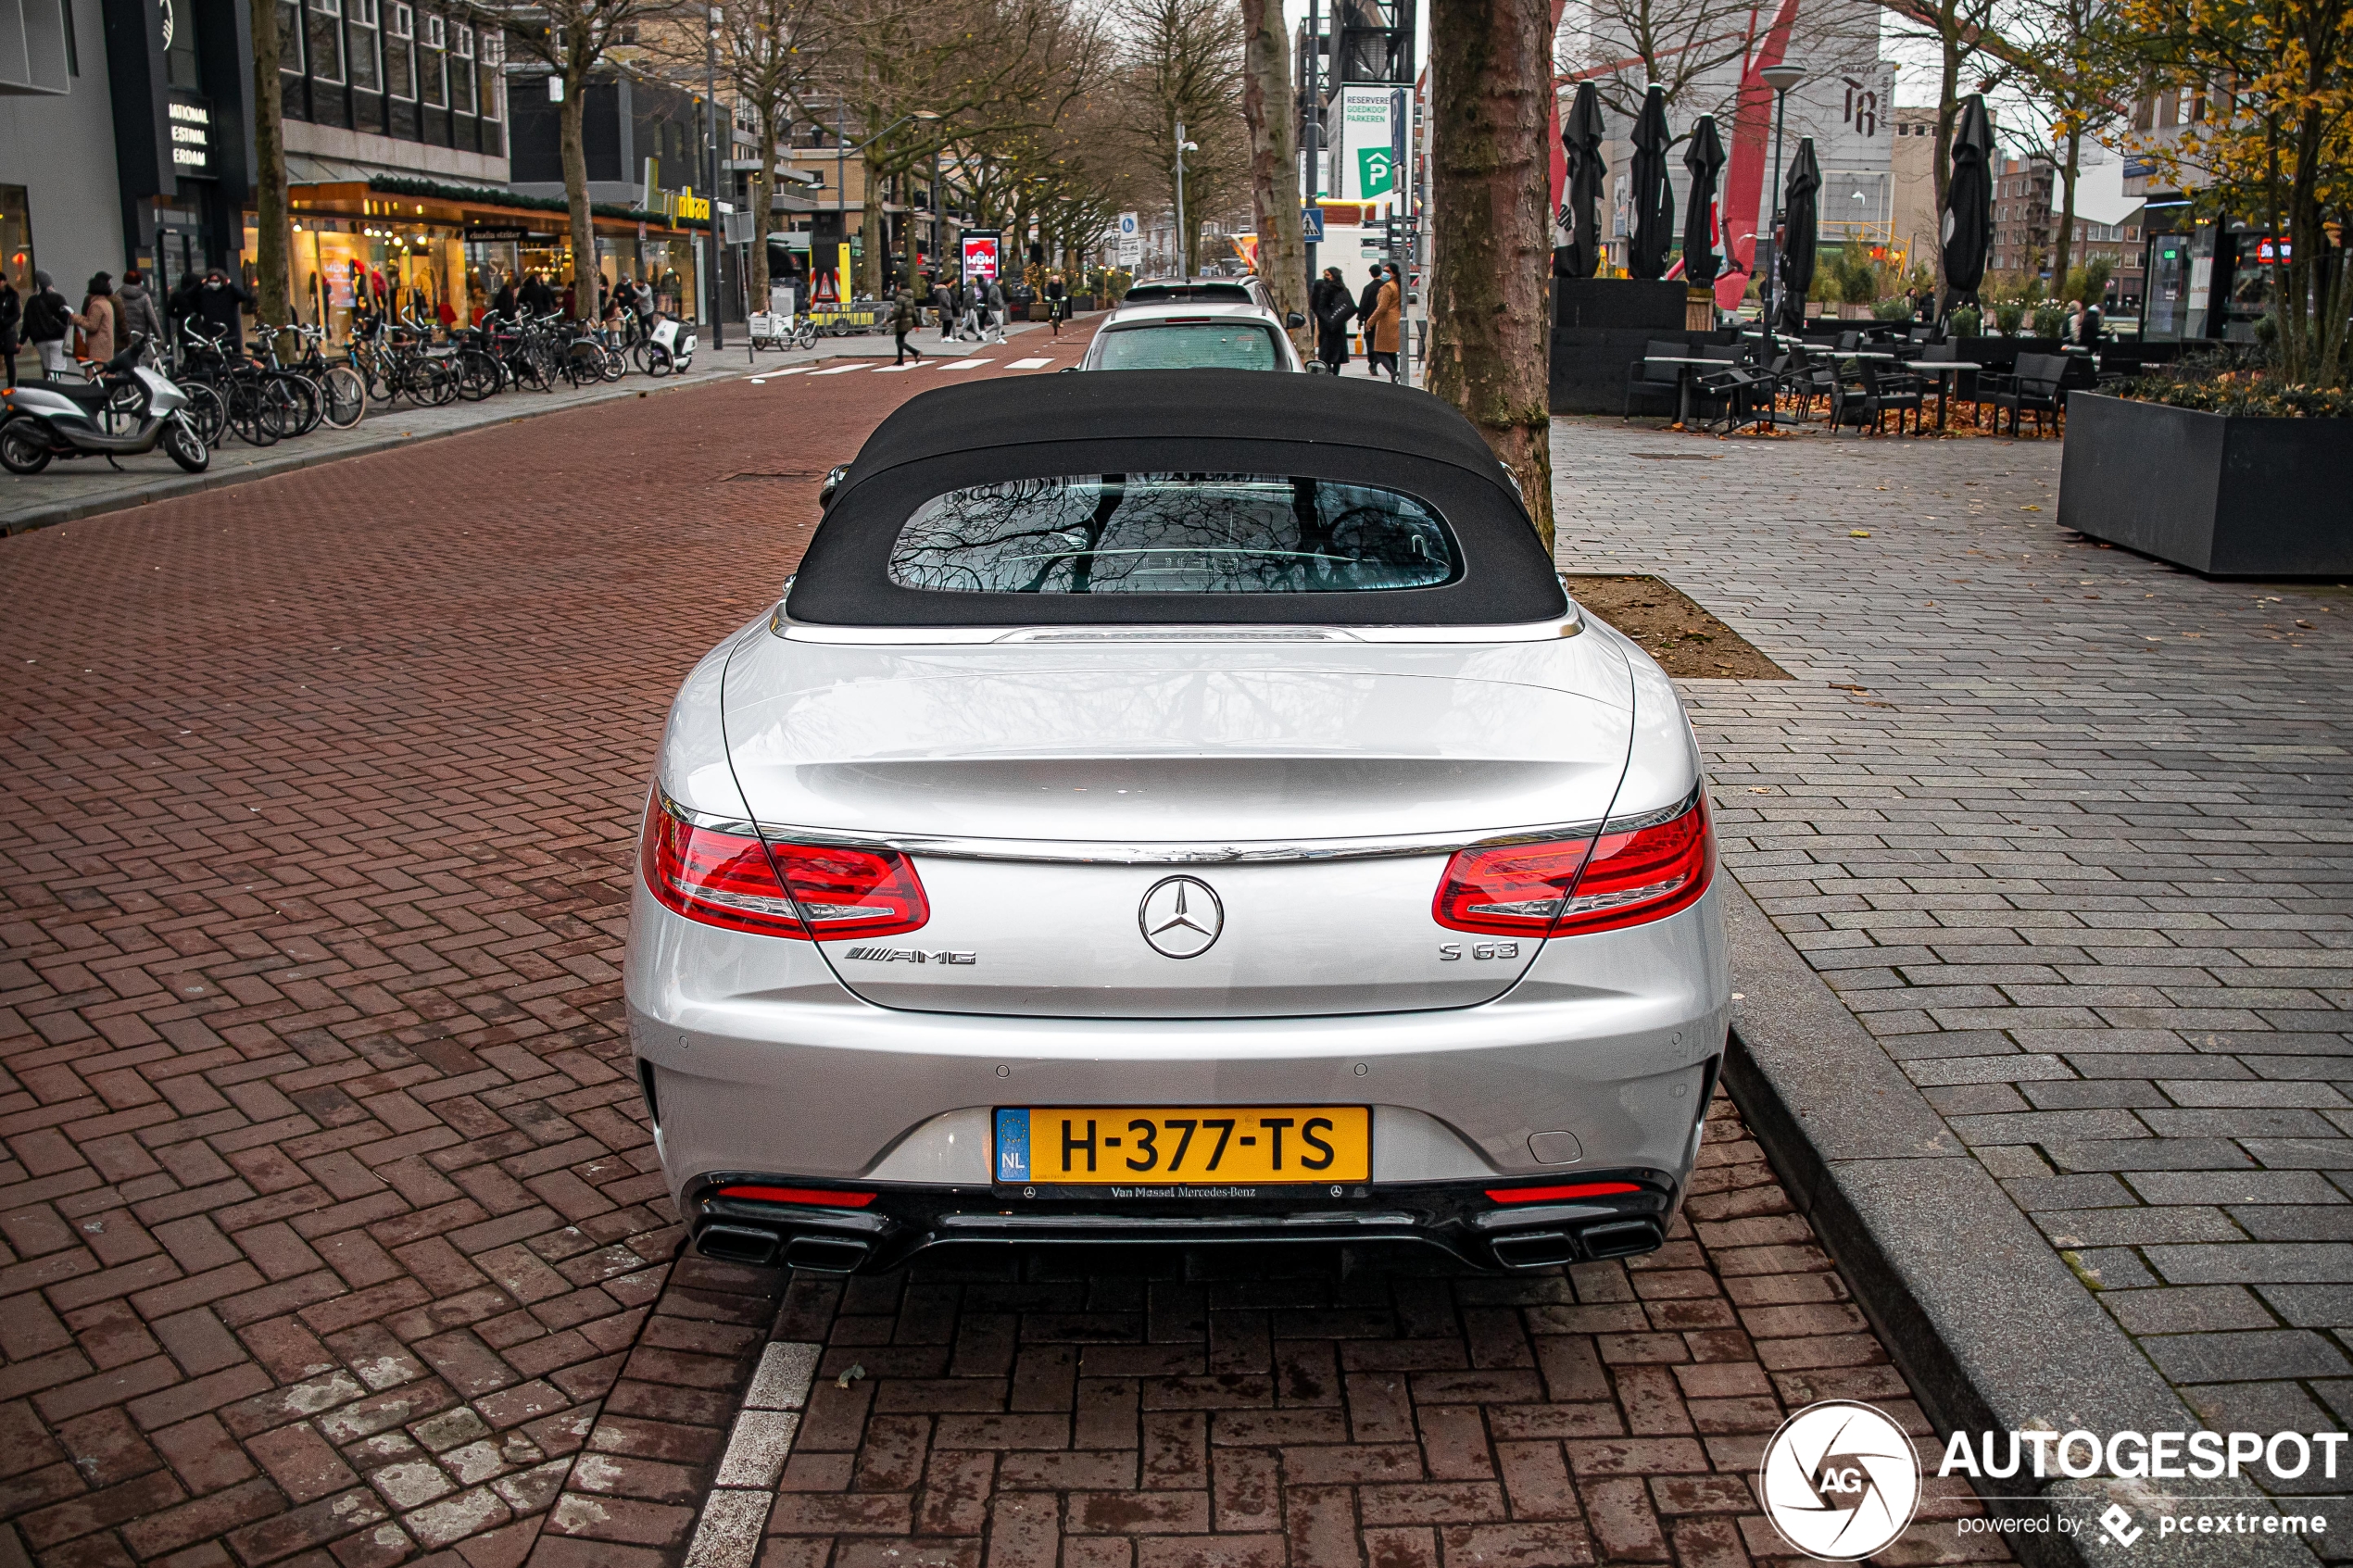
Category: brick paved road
[2071,834]
[329,1230]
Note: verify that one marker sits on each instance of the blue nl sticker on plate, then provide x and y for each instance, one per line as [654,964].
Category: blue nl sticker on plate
[1013,1146]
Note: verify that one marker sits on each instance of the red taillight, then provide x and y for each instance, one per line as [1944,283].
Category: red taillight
[820,1196]
[1643,873]
[717,878]
[852,892]
[1556,1194]
[1567,886]
[1515,890]
[730,880]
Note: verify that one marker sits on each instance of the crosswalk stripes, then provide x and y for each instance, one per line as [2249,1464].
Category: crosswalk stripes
[969,364]
[1029,364]
[837,371]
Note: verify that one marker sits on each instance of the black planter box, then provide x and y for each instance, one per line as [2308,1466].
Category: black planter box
[2223,496]
[1618,303]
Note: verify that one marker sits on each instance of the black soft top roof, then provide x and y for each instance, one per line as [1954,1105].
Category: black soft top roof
[1195,421]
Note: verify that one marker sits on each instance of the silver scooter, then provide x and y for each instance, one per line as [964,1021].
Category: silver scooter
[128,411]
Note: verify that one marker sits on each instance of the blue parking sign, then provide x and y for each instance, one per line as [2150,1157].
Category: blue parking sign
[1311,224]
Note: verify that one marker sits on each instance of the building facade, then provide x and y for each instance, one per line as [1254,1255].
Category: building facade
[1919,228]
[2024,224]
[57,212]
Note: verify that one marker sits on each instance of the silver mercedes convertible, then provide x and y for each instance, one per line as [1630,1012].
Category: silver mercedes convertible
[1176,807]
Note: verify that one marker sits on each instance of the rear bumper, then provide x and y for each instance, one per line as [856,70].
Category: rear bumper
[1460,1217]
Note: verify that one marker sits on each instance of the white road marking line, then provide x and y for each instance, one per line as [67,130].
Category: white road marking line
[885,369]
[837,371]
[968,364]
[797,369]
[1029,364]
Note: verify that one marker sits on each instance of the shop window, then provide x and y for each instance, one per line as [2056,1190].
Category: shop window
[432,59]
[400,69]
[362,15]
[326,39]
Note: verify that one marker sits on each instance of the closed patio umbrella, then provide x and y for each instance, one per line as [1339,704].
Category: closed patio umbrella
[1800,205]
[1704,157]
[1653,192]
[1581,216]
[1969,203]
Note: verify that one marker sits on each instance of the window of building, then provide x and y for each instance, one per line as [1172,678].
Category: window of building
[400,67]
[432,62]
[462,69]
[290,37]
[181,68]
[326,39]
[490,89]
[360,17]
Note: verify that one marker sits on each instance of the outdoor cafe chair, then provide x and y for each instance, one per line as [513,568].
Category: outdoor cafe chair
[1737,386]
[1804,379]
[1646,378]
[1887,391]
[2032,387]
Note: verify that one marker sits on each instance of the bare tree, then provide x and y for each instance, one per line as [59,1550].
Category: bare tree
[572,39]
[1491,306]
[1272,119]
[1960,31]
[1683,45]
[1182,64]
[2080,71]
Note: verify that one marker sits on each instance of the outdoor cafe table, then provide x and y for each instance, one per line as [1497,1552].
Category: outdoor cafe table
[1683,378]
[1941,369]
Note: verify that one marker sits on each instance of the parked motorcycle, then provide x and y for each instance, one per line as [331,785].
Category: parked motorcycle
[128,411]
[673,348]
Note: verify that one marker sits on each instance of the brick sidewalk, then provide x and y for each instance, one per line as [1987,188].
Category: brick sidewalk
[2068,832]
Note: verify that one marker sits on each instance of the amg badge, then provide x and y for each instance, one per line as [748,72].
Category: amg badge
[909,955]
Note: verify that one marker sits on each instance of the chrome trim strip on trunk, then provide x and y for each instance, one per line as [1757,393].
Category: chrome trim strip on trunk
[783,625]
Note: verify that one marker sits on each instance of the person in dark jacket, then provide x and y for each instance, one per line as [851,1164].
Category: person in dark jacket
[538,297]
[1057,301]
[220,303]
[137,309]
[12,319]
[47,320]
[1329,304]
[904,319]
[943,301]
[504,302]
[1366,303]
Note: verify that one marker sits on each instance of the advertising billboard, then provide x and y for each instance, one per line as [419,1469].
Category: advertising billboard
[1367,161]
[981,255]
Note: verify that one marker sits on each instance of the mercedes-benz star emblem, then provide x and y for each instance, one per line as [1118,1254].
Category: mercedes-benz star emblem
[1181,917]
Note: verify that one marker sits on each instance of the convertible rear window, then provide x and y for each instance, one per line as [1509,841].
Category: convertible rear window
[1189,345]
[1174,533]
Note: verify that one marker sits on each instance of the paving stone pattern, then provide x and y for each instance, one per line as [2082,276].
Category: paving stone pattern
[2071,834]
[1327,1409]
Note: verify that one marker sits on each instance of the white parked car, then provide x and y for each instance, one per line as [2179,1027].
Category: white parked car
[1202,325]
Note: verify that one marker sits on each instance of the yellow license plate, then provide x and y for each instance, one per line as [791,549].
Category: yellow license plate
[1223,1146]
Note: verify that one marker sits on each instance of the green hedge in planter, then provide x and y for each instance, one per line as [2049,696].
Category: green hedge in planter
[2246,394]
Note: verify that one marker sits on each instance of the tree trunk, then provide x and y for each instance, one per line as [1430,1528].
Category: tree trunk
[1490,299]
[575,161]
[1269,111]
[870,226]
[763,183]
[1949,108]
[2066,216]
[273,257]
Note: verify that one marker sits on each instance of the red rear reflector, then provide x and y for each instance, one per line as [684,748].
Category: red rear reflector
[1628,875]
[818,1196]
[852,892]
[728,879]
[720,879]
[1556,1195]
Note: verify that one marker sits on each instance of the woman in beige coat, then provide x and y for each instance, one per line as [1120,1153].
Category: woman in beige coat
[1381,328]
[97,319]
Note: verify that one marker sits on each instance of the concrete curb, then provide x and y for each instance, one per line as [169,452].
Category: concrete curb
[1991,1326]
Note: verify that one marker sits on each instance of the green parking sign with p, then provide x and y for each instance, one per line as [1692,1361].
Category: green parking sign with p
[1375,170]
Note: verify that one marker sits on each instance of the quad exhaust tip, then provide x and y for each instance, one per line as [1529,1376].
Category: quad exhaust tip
[1544,1249]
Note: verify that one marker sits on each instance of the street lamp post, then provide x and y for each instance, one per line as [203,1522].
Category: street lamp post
[1781,79]
[711,97]
[1183,270]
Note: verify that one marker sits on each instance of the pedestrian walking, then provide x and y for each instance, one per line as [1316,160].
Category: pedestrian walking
[968,316]
[1380,326]
[11,325]
[95,320]
[997,312]
[503,303]
[137,309]
[1365,301]
[1333,310]
[943,304]
[904,319]
[538,297]
[47,320]
[221,303]
[1057,301]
